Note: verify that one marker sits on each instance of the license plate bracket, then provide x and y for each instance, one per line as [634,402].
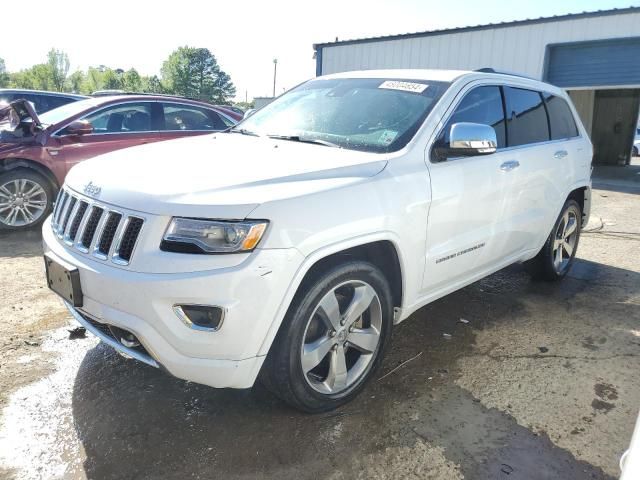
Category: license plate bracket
[64,280]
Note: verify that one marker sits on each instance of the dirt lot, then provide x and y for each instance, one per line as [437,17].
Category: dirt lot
[542,382]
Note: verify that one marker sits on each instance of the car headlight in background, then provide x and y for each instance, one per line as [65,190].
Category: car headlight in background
[191,235]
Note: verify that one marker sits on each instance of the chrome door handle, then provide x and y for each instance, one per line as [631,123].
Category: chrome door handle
[560,154]
[510,165]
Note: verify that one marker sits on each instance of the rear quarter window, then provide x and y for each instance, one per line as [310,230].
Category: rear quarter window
[561,120]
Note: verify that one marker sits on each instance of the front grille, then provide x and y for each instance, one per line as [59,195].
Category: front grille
[96,229]
[77,218]
[91,226]
[71,203]
[109,231]
[129,238]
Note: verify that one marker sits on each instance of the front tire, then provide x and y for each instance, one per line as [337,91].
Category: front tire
[557,255]
[332,339]
[26,198]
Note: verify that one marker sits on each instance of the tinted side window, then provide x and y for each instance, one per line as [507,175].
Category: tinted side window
[189,117]
[480,105]
[561,119]
[6,98]
[129,117]
[527,118]
[55,102]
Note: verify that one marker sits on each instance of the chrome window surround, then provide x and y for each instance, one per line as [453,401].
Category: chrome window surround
[60,212]
[125,102]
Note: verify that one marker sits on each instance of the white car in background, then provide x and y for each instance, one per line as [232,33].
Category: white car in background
[287,248]
[636,144]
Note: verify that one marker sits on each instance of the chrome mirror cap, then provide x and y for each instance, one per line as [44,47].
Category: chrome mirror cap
[467,139]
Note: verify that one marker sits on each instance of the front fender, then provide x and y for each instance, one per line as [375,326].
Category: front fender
[312,259]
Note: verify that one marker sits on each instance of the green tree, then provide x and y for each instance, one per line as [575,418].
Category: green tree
[58,63]
[131,81]
[151,84]
[195,73]
[37,77]
[4,76]
[93,80]
[111,80]
[75,82]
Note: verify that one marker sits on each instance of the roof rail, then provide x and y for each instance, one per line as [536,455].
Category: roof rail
[513,74]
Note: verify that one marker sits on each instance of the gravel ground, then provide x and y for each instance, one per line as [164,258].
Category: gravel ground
[541,383]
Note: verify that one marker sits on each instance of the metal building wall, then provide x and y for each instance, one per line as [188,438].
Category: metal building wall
[516,48]
[583,100]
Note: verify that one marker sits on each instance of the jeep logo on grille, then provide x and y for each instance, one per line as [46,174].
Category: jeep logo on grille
[92,190]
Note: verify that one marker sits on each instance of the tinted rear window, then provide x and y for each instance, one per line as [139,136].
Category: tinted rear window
[561,119]
[527,118]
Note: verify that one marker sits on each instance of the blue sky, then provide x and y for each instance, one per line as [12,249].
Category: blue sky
[245,36]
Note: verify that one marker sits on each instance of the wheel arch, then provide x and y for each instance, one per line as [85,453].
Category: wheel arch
[582,195]
[379,249]
[9,164]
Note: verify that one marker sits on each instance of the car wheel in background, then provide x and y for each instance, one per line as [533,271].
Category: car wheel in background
[332,339]
[558,253]
[26,198]
[635,152]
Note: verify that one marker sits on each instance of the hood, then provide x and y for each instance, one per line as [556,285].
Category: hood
[14,113]
[225,175]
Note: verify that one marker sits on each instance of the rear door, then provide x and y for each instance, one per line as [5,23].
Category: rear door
[466,224]
[544,168]
[115,127]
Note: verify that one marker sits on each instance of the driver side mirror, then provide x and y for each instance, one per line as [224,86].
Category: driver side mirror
[79,127]
[468,140]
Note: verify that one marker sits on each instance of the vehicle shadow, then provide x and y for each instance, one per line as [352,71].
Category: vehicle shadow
[136,422]
[26,243]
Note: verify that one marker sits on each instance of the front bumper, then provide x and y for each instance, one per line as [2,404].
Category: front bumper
[252,294]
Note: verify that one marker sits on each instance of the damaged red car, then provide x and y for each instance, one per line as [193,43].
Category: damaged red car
[37,151]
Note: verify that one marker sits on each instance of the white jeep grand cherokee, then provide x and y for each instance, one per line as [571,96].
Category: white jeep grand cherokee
[287,247]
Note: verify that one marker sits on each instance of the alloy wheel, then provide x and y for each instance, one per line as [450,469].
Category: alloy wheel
[341,337]
[565,239]
[22,202]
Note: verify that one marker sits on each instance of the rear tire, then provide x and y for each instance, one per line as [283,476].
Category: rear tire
[26,198]
[557,255]
[332,339]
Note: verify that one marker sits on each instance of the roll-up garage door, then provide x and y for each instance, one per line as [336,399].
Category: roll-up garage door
[595,63]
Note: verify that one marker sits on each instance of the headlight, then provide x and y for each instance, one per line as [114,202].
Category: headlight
[212,236]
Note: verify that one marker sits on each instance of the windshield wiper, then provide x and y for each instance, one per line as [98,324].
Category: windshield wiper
[298,138]
[243,131]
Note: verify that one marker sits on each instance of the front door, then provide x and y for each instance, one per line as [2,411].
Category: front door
[466,227]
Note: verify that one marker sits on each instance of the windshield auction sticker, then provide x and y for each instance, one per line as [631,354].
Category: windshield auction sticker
[404,86]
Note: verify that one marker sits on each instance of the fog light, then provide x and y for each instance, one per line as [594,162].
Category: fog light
[200,317]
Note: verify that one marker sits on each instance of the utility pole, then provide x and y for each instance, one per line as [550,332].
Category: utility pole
[275,68]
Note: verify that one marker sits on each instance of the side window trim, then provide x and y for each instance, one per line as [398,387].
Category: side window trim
[100,110]
[546,111]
